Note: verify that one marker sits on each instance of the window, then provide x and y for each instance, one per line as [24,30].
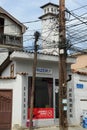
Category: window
[44,10]
[18,40]
[70,105]
[70,110]
[47,9]
[55,10]
[56,82]
[70,89]
[70,94]
[70,99]
[51,9]
[12,70]
[43,92]
[71,115]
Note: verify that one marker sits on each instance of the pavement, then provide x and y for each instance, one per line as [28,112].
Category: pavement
[57,128]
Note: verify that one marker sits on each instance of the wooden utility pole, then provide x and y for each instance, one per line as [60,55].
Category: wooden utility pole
[62,68]
[37,35]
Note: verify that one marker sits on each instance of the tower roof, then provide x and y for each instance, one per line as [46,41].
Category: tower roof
[49,4]
[48,14]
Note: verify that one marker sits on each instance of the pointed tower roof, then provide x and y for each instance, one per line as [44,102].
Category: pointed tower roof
[49,3]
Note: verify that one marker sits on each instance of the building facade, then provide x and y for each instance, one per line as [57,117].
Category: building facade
[11,30]
[16,77]
[79,70]
[79,91]
[17,80]
[11,36]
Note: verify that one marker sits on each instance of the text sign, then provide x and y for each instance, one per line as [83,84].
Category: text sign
[79,86]
[42,113]
[44,70]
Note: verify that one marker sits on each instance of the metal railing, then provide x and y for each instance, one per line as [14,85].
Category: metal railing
[10,40]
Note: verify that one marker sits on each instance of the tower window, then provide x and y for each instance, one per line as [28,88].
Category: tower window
[47,9]
[44,10]
[55,10]
[51,9]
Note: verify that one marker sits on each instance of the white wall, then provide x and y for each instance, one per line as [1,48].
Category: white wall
[80,94]
[70,102]
[24,98]
[49,32]
[27,66]
[20,84]
[6,72]
[12,29]
[17,86]
[3,56]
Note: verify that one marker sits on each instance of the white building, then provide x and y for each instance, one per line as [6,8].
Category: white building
[11,37]
[16,78]
[16,82]
[50,28]
[79,92]
[11,34]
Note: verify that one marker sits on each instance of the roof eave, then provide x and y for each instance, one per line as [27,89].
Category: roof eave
[49,4]
[2,11]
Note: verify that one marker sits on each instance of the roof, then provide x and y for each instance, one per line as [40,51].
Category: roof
[40,57]
[49,4]
[81,71]
[7,77]
[2,11]
[48,14]
[29,56]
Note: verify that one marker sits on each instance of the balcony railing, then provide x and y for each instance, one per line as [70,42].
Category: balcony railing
[10,40]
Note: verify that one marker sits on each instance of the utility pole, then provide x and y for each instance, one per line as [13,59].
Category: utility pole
[37,35]
[62,68]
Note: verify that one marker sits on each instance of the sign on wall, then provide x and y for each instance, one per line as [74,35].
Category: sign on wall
[79,86]
[44,70]
[42,113]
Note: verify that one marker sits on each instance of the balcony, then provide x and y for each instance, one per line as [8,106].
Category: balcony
[11,40]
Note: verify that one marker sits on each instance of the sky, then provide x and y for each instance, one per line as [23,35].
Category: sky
[29,10]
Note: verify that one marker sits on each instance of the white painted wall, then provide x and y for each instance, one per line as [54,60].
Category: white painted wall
[20,84]
[50,31]
[12,28]
[50,35]
[3,56]
[17,86]
[24,99]
[27,66]
[79,106]
[6,72]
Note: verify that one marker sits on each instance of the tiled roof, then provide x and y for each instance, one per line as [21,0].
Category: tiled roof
[22,73]
[7,77]
[81,71]
[49,4]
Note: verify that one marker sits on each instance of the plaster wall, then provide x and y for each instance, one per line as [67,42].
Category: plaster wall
[12,28]
[19,89]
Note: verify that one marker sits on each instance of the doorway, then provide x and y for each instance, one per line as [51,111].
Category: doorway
[5,109]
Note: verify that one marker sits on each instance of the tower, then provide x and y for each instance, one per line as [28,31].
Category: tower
[50,31]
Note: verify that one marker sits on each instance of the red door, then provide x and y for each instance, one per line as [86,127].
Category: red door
[5,109]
